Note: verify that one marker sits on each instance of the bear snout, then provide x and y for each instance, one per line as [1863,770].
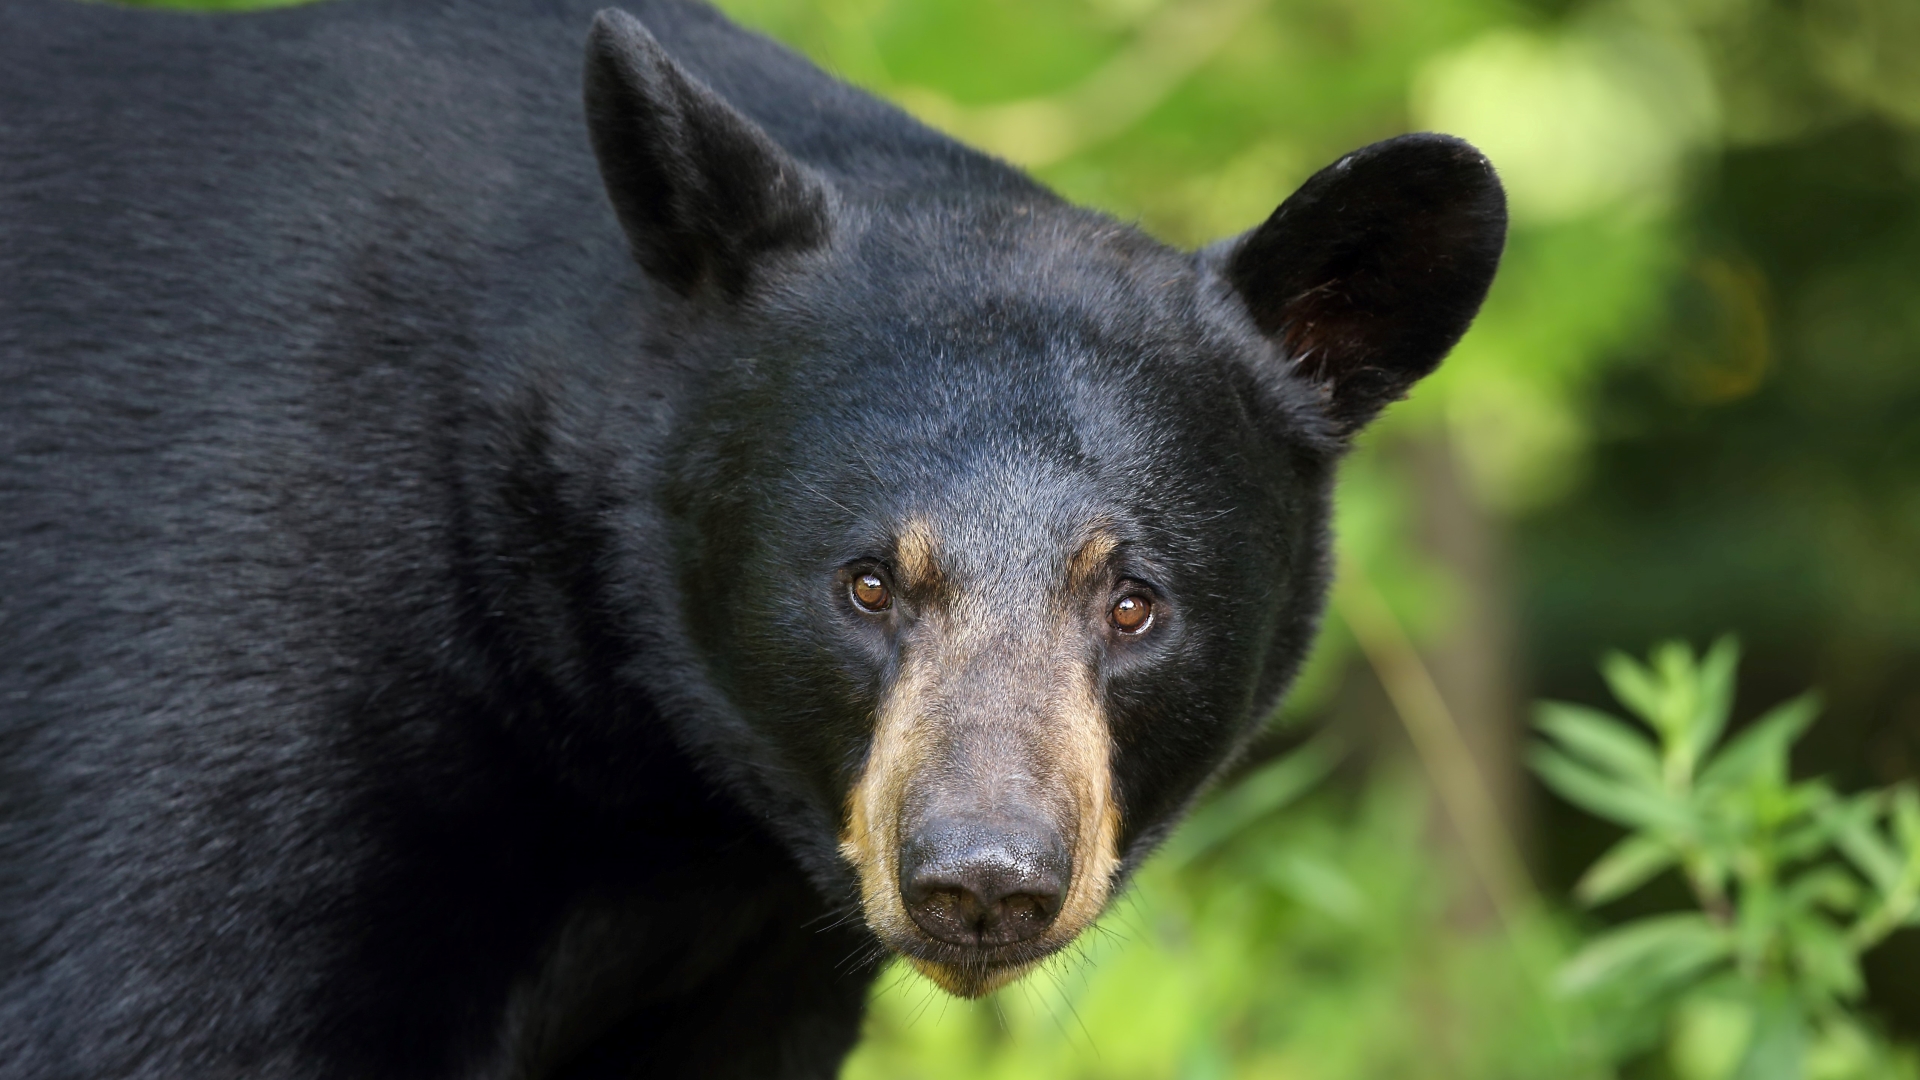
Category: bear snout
[983,880]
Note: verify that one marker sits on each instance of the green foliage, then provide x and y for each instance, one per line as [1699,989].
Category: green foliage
[1793,881]
[1289,931]
[1311,940]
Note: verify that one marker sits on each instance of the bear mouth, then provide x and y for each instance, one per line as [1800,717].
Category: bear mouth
[990,961]
[970,937]
[974,972]
[1016,954]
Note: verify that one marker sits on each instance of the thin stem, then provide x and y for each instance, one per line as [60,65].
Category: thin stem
[1712,898]
[1448,761]
[1437,739]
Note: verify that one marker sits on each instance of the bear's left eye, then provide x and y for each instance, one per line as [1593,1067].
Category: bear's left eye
[870,593]
[1132,614]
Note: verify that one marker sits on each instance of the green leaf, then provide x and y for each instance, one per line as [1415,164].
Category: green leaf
[1824,957]
[1845,1049]
[1319,884]
[1823,887]
[1601,740]
[1709,1034]
[1713,702]
[1624,868]
[1810,833]
[1856,832]
[1634,685]
[1605,796]
[1254,796]
[1779,1047]
[1760,752]
[1650,954]
[1906,819]
[1674,670]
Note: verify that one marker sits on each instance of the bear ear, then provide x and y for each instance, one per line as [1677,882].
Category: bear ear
[1369,273]
[702,192]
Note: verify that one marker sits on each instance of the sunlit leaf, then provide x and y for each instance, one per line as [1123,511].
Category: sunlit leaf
[1713,702]
[1824,957]
[1827,887]
[1813,830]
[1635,686]
[1321,885]
[1845,1049]
[1652,953]
[1673,669]
[1710,1033]
[1624,868]
[1857,834]
[1906,819]
[1761,751]
[1779,1047]
[1615,800]
[1601,741]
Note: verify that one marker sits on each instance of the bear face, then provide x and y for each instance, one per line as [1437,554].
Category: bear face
[996,526]
[1007,573]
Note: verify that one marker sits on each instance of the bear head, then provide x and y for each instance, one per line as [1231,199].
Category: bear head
[997,527]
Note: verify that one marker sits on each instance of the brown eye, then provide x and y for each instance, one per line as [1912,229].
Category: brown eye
[1132,613]
[870,592]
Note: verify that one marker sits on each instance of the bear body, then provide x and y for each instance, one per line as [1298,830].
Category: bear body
[482,579]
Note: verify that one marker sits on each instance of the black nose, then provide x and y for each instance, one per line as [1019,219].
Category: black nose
[982,882]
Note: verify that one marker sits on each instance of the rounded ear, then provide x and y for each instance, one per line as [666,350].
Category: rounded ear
[701,191]
[1369,274]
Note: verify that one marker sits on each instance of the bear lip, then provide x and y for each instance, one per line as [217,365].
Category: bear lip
[1014,957]
[973,979]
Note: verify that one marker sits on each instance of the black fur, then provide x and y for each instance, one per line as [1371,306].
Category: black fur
[1374,268]
[417,657]
[702,192]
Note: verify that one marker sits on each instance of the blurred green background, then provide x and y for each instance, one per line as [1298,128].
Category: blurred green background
[1692,404]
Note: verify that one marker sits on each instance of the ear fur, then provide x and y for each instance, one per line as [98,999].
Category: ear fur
[1369,273]
[701,191]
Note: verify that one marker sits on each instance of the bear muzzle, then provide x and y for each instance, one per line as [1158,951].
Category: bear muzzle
[975,865]
[984,825]
[983,880]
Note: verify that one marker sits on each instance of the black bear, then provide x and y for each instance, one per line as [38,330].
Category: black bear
[497,588]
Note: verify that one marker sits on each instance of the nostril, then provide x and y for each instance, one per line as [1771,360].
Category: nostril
[1031,906]
[960,915]
[990,892]
[1019,917]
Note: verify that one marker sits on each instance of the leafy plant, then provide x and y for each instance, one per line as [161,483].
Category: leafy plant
[1793,880]
[1307,931]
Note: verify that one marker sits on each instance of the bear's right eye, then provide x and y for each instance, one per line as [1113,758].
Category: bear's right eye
[870,593]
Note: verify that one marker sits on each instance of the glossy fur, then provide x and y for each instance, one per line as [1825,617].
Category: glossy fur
[427,503]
